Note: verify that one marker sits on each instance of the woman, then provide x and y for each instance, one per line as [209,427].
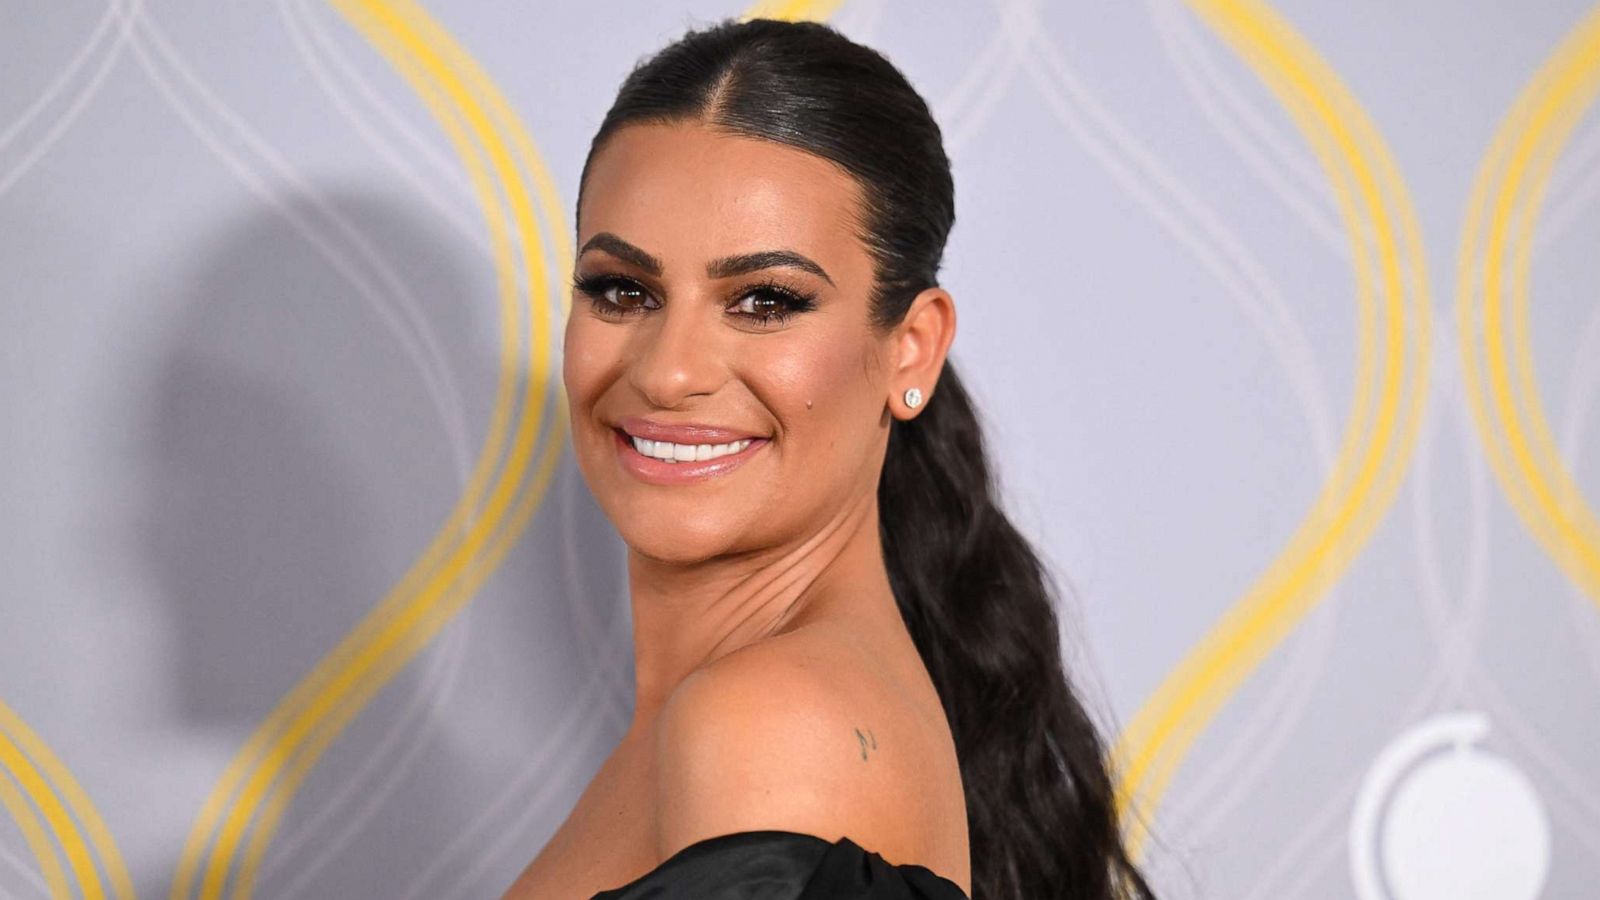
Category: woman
[848,675]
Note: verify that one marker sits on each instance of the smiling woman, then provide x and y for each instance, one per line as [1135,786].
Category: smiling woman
[848,673]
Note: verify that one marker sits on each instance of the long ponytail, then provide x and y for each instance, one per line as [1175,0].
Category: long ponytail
[978,603]
[973,593]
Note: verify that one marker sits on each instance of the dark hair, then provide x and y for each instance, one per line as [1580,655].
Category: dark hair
[973,593]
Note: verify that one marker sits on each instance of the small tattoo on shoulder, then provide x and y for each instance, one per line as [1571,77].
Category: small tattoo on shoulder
[867,741]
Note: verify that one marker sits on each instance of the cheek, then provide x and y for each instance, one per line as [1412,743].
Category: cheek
[831,372]
[586,354]
[589,365]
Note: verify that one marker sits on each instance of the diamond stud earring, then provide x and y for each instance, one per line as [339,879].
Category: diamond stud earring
[913,397]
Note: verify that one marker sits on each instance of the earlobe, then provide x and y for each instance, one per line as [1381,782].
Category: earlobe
[929,328]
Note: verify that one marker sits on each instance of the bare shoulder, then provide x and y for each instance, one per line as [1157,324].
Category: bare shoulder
[795,734]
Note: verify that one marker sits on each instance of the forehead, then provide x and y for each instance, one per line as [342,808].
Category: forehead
[686,193]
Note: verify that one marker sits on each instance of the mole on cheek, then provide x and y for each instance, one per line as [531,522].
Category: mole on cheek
[808,404]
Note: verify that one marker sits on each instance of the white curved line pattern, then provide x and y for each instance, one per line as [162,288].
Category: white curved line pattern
[263,171]
[12,172]
[365,108]
[1284,167]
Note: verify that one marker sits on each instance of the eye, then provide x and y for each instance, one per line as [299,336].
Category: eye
[771,302]
[613,295]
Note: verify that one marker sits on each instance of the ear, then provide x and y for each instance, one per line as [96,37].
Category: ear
[921,342]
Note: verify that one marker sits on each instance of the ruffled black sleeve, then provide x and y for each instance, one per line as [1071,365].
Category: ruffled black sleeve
[783,865]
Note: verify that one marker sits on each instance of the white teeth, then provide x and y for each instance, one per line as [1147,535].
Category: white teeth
[670,452]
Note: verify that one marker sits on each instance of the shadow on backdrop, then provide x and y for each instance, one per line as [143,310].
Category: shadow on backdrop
[296,466]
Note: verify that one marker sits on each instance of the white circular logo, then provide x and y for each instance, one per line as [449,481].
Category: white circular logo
[1437,818]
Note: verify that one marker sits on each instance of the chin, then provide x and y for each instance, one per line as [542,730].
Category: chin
[674,549]
[679,539]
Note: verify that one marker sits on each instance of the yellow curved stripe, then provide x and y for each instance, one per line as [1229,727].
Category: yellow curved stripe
[1375,207]
[15,762]
[306,713]
[1514,430]
[792,10]
[12,726]
[55,877]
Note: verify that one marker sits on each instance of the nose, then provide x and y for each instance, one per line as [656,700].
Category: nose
[677,355]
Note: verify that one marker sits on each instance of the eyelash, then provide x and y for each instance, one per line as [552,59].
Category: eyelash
[595,287]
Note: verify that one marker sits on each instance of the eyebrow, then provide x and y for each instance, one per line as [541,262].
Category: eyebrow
[726,267]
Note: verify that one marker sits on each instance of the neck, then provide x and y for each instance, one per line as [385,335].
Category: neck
[685,616]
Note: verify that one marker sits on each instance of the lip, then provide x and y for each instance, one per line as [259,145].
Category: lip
[686,433]
[656,471]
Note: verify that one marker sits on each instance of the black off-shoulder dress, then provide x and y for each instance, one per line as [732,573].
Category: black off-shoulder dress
[783,865]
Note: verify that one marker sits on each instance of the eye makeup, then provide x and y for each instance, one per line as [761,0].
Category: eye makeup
[774,301]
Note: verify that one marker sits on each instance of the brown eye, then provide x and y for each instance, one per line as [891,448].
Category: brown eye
[625,295]
[771,303]
[613,295]
[763,303]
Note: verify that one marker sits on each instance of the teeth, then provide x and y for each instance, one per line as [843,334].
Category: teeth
[670,452]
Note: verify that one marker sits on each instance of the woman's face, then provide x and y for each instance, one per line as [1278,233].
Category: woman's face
[676,337]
